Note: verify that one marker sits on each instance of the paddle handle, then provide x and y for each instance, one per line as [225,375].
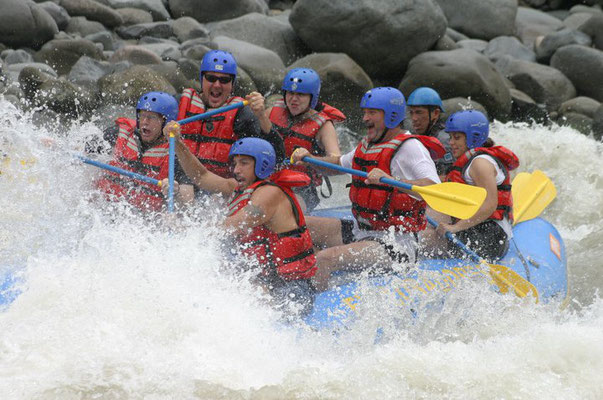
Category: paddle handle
[457,242]
[171,160]
[213,112]
[351,171]
[120,171]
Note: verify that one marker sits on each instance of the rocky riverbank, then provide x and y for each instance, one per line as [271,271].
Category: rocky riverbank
[532,60]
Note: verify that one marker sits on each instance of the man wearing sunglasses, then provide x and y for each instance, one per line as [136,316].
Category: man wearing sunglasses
[210,139]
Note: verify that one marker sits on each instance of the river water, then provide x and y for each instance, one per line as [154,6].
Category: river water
[113,307]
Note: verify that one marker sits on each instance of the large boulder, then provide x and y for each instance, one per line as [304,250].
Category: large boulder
[155,7]
[460,73]
[598,123]
[343,82]
[581,105]
[456,104]
[594,28]
[160,29]
[80,26]
[268,32]
[136,55]
[533,23]
[216,10]
[264,66]
[187,28]
[508,45]
[380,36]
[133,16]
[87,71]
[24,23]
[92,10]
[127,86]
[481,19]
[63,54]
[584,67]
[542,83]
[553,41]
[525,109]
[58,13]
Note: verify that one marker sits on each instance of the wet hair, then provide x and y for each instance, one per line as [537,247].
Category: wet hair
[488,143]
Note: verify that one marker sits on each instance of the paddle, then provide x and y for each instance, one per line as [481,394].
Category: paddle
[171,161]
[504,277]
[532,193]
[213,112]
[120,171]
[451,198]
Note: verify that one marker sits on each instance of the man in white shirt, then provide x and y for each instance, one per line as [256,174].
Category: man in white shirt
[387,219]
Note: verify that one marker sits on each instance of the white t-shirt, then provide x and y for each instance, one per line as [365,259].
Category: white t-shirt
[500,178]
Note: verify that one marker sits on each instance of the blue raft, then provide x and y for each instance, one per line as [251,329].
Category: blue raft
[536,253]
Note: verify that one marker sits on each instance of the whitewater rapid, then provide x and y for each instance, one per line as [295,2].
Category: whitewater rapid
[121,308]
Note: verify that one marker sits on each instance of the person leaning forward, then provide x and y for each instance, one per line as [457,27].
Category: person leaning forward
[386,219]
[210,139]
[263,214]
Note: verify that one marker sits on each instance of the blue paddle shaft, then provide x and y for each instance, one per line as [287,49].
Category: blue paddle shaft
[212,112]
[457,242]
[120,171]
[351,171]
[171,174]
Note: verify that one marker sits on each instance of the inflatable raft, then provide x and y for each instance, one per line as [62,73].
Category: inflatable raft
[536,254]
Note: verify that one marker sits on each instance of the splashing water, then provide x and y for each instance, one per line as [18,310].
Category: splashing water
[117,307]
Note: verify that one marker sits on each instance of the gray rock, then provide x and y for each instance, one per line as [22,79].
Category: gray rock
[58,13]
[584,9]
[87,71]
[583,66]
[445,43]
[216,10]
[576,21]
[581,105]
[65,98]
[456,104]
[594,28]
[525,109]
[165,49]
[195,52]
[156,29]
[544,84]
[189,68]
[343,82]
[31,77]
[533,23]
[126,87]
[535,3]
[553,41]
[357,28]
[137,55]
[186,28]
[24,23]
[19,56]
[508,45]
[579,122]
[12,71]
[82,27]
[133,16]
[481,19]
[473,44]
[93,11]
[598,123]
[261,30]
[455,35]
[63,54]
[105,38]
[155,7]
[244,84]
[264,66]
[170,71]
[461,72]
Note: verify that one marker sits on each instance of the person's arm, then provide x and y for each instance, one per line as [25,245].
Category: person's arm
[260,210]
[327,139]
[257,105]
[483,174]
[198,174]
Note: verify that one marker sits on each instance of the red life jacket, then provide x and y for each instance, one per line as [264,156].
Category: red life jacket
[126,154]
[210,139]
[288,254]
[506,160]
[377,207]
[301,132]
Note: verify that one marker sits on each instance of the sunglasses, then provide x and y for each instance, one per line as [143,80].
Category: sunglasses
[212,78]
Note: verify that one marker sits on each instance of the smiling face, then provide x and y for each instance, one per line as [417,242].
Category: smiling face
[297,103]
[458,144]
[422,119]
[214,94]
[243,169]
[374,121]
[149,125]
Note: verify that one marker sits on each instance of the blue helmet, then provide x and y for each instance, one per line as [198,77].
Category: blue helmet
[425,96]
[218,61]
[261,150]
[303,80]
[472,123]
[388,99]
[159,102]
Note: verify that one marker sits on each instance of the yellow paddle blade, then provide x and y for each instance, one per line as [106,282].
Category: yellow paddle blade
[506,279]
[452,198]
[531,195]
